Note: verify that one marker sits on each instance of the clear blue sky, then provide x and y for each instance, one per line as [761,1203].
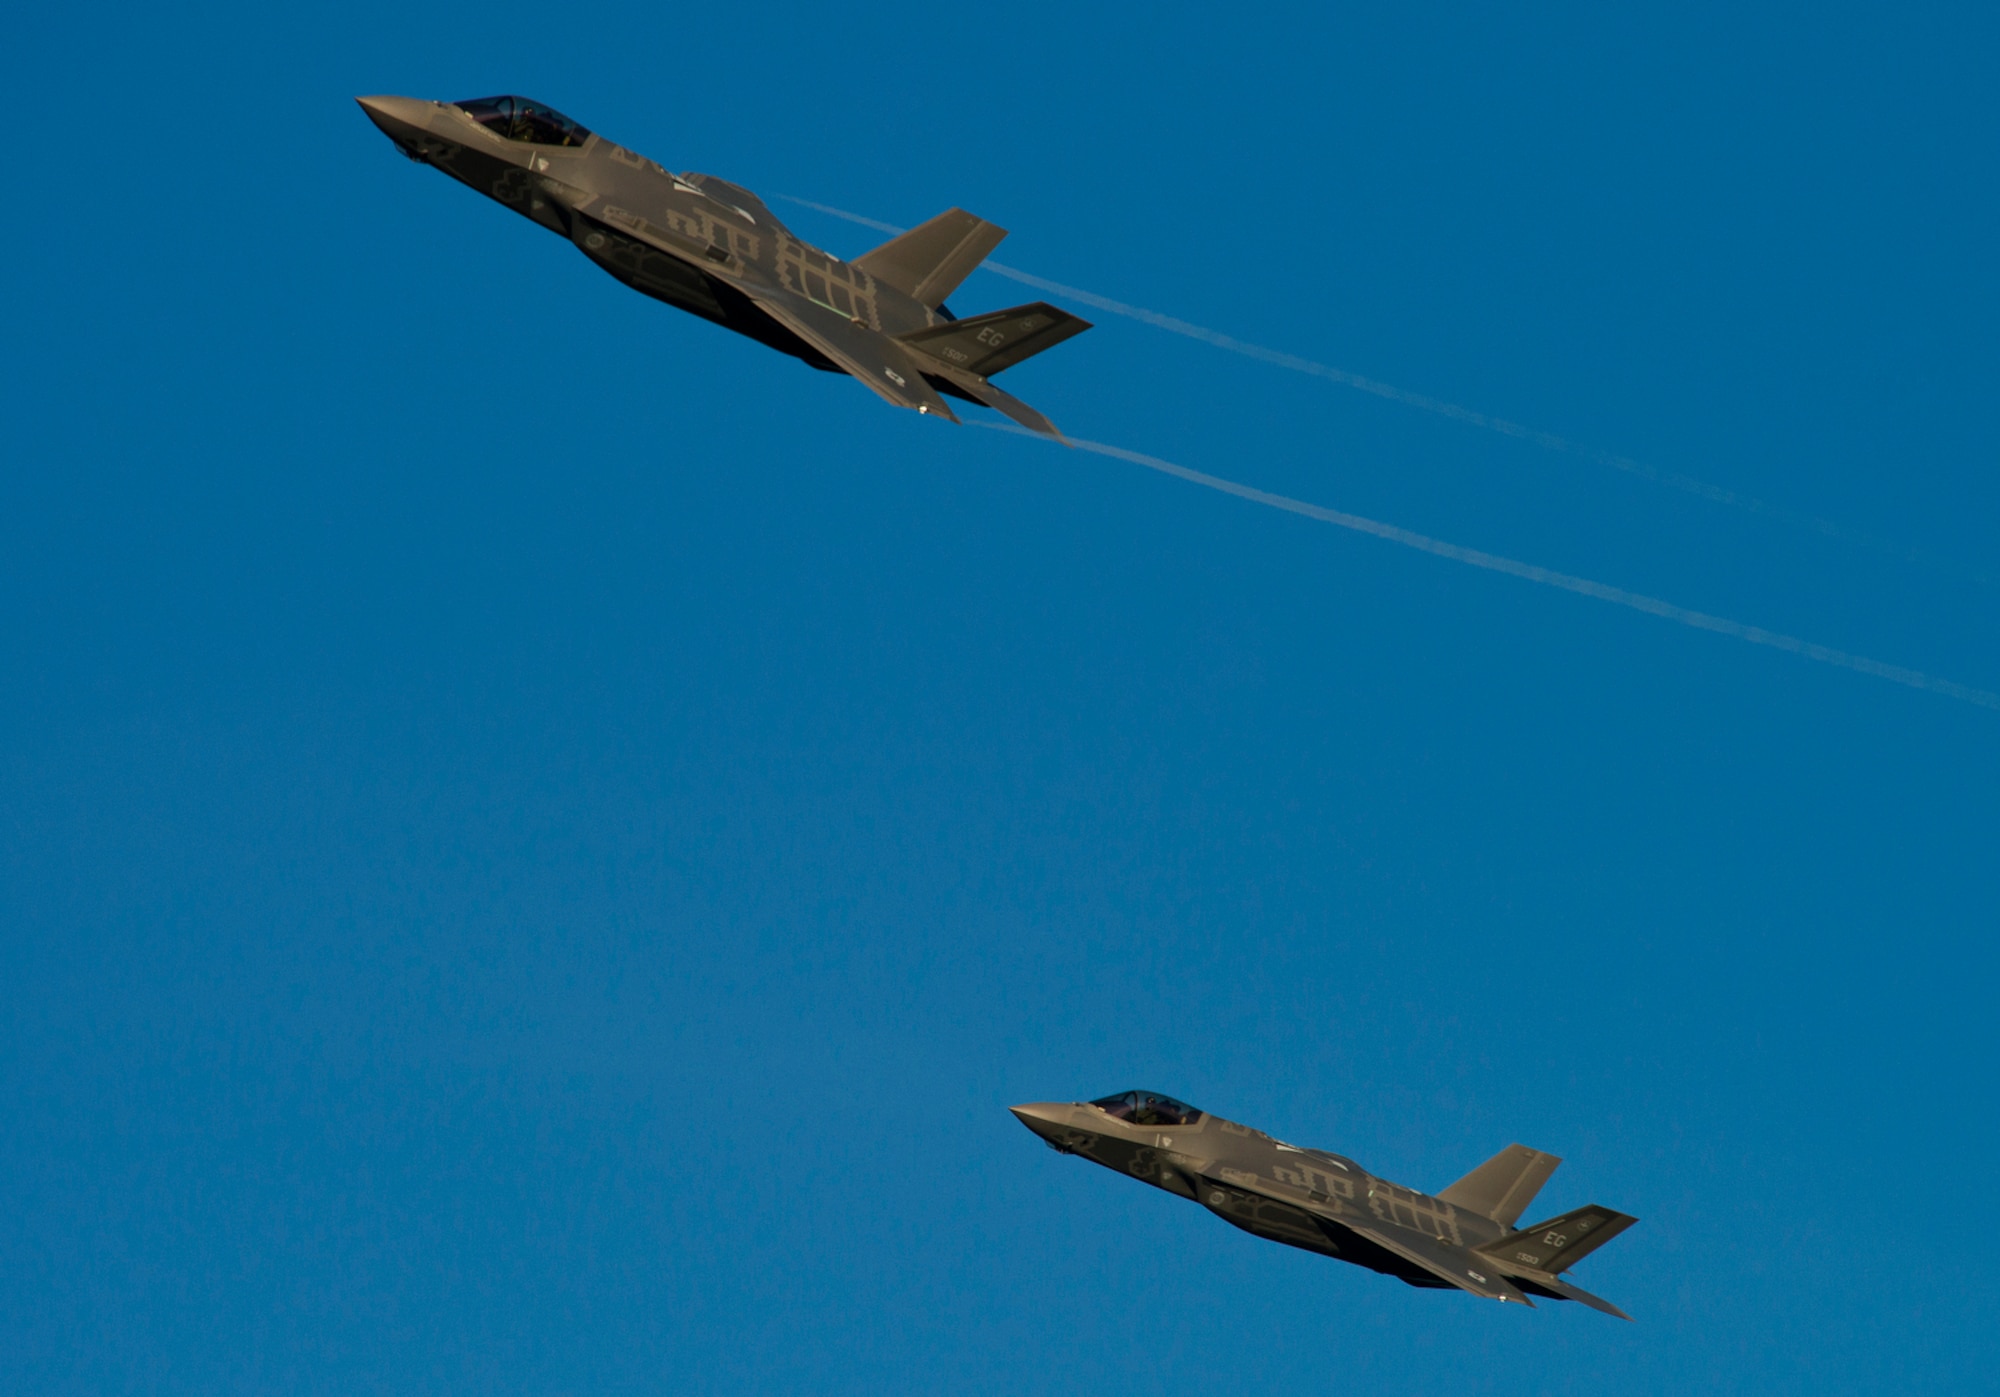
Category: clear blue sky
[540,838]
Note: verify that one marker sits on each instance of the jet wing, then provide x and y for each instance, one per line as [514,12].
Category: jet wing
[869,355]
[1447,1263]
[1453,1265]
[874,358]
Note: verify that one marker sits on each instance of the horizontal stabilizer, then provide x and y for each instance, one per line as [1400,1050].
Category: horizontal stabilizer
[1581,1296]
[1504,1185]
[979,390]
[986,344]
[930,260]
[1560,1242]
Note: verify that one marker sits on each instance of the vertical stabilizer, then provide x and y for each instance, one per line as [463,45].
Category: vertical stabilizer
[1559,1243]
[928,262]
[1504,1185]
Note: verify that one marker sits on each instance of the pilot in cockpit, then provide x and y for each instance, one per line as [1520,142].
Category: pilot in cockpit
[519,119]
[1147,1108]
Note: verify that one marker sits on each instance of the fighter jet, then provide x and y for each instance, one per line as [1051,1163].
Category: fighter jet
[1464,1236]
[715,249]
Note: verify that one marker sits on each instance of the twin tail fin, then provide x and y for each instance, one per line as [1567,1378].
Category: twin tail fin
[967,353]
[986,344]
[928,262]
[1504,1186]
[1559,1243]
[1534,1257]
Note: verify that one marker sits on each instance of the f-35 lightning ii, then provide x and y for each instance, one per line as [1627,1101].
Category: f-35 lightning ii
[1464,1237]
[713,248]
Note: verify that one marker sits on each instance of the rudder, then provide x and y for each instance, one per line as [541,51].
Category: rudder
[928,262]
[1504,1185]
[986,344]
[1559,1243]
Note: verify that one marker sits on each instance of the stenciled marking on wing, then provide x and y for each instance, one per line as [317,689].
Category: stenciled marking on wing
[1547,577]
[1438,407]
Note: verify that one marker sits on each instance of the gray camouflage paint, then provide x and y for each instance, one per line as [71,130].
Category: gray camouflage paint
[1327,1203]
[714,249]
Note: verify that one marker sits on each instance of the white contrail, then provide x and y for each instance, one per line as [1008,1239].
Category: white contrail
[1492,562]
[1438,407]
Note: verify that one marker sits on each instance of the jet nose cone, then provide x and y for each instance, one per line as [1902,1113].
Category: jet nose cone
[1042,1117]
[395,115]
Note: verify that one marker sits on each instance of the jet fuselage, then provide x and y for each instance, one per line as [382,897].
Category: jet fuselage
[714,249]
[1327,1203]
[601,196]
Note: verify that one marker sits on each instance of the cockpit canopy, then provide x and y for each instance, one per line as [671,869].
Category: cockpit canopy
[519,119]
[1147,1108]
